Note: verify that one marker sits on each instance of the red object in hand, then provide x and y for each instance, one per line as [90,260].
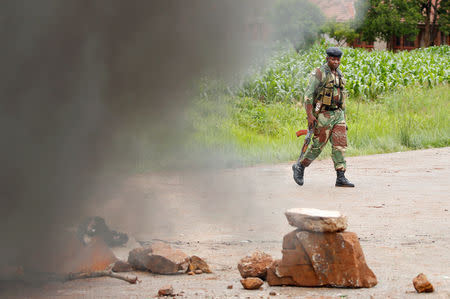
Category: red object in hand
[301,132]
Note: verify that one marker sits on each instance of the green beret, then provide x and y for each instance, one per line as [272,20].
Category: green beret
[334,52]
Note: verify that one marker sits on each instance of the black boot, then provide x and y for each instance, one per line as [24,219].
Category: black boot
[298,169]
[341,180]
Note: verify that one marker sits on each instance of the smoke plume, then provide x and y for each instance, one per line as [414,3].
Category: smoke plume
[77,74]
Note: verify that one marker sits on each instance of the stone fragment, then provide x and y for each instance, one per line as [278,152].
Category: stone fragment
[230,287]
[273,293]
[252,283]
[191,273]
[198,271]
[159,258]
[255,265]
[166,290]
[421,284]
[196,263]
[321,259]
[122,266]
[315,220]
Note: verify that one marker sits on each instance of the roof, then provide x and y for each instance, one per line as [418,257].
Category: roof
[341,10]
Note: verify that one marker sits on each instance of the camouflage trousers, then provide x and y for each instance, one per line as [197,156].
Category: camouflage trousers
[330,126]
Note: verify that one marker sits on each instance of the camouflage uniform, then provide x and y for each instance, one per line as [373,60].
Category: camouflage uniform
[331,117]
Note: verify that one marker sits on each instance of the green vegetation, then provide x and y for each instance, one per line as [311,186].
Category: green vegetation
[368,74]
[388,18]
[341,32]
[397,102]
[255,131]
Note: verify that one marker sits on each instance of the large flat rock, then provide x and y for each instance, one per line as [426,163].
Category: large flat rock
[316,220]
[159,258]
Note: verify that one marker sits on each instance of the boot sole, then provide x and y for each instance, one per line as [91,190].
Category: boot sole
[346,186]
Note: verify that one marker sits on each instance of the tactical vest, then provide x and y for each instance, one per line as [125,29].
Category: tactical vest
[324,92]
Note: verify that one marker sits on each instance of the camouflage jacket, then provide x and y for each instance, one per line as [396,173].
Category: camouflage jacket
[326,87]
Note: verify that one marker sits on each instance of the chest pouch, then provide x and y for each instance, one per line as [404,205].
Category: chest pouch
[328,93]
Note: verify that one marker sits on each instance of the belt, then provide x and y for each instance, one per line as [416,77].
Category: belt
[330,109]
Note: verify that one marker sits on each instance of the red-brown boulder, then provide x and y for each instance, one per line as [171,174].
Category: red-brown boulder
[255,265]
[321,259]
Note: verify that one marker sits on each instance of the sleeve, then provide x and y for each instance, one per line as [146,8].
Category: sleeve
[312,86]
[344,94]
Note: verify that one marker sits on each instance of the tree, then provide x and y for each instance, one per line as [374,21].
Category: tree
[297,21]
[385,19]
[435,16]
[342,32]
[444,16]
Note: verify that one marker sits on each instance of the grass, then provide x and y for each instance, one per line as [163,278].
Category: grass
[255,132]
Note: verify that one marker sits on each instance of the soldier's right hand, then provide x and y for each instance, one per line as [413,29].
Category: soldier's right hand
[311,121]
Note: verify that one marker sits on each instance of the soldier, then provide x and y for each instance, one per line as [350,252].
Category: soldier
[325,108]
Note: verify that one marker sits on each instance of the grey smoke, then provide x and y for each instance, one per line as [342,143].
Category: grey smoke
[80,81]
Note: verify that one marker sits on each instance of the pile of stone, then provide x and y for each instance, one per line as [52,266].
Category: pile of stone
[320,253]
[253,269]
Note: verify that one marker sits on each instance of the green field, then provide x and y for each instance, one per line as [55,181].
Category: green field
[397,102]
[254,132]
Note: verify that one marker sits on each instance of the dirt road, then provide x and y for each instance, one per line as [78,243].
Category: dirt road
[400,209]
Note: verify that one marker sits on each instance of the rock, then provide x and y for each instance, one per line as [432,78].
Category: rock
[315,220]
[166,291]
[138,258]
[198,271]
[321,259]
[252,283]
[421,284]
[273,293]
[159,258]
[122,266]
[255,265]
[230,287]
[191,273]
[196,263]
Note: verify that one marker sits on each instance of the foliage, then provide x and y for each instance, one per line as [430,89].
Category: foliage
[385,19]
[342,32]
[368,74]
[444,16]
[283,78]
[297,21]
[259,132]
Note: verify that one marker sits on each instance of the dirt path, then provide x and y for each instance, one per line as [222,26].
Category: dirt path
[400,209]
